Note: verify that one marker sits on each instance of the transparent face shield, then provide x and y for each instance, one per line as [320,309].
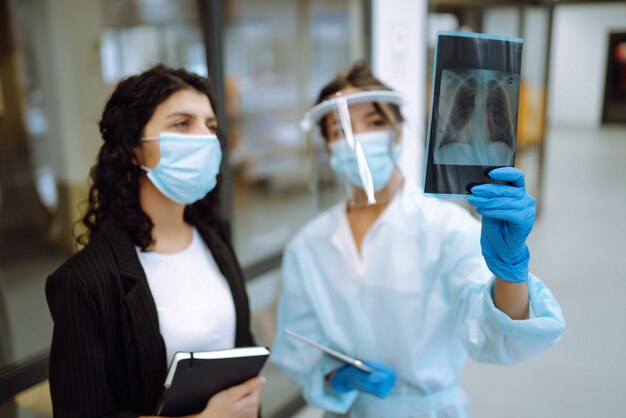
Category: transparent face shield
[355,138]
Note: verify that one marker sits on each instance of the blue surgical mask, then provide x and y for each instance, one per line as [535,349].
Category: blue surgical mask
[380,152]
[188,166]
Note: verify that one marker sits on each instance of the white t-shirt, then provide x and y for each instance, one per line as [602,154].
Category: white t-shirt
[193,300]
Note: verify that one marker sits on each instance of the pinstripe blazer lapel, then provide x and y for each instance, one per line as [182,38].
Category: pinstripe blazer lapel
[141,329]
[142,338]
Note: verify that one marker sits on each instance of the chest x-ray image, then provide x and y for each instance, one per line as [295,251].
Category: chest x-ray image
[476,113]
[473,122]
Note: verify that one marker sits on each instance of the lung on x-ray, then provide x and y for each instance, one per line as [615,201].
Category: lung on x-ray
[473,122]
[476,113]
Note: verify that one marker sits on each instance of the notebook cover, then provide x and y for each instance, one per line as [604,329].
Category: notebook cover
[196,380]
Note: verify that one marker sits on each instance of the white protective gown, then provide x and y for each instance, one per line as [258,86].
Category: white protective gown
[418,298]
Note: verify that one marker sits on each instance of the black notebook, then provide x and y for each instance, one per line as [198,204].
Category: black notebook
[193,378]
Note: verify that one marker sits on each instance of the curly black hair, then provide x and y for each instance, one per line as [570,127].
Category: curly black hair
[114,189]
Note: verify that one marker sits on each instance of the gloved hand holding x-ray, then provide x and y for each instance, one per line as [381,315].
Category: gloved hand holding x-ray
[474,110]
[508,212]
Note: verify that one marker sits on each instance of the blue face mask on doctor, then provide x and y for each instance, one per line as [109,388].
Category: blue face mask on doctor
[188,166]
[381,154]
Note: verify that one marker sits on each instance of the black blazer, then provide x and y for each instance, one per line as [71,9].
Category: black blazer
[108,357]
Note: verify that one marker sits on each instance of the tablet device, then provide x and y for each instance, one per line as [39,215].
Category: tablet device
[194,377]
[474,106]
[340,356]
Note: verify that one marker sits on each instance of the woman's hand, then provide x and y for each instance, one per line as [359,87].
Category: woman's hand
[241,401]
[378,383]
[508,212]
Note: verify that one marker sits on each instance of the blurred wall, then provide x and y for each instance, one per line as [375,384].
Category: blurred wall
[502,21]
[578,63]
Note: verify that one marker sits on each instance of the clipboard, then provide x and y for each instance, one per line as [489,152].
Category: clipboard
[336,354]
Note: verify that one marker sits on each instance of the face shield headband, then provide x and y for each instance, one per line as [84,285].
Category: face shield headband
[339,105]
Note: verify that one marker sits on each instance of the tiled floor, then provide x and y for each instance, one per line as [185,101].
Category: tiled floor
[578,247]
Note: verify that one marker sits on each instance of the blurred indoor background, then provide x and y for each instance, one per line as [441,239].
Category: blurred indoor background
[59,60]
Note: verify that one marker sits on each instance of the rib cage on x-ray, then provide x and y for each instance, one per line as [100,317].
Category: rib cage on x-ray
[476,111]
[496,111]
[473,118]
[462,111]
[498,114]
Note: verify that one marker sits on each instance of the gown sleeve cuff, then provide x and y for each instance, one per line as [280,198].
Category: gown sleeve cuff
[545,322]
[322,395]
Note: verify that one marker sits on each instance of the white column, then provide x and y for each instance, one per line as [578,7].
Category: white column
[399,42]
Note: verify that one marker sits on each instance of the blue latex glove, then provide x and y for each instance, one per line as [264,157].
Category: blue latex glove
[377,383]
[508,215]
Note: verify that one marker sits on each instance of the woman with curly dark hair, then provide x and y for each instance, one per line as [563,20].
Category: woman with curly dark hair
[158,273]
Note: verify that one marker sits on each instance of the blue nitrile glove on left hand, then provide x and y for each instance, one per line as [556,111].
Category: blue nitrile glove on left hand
[377,383]
[508,212]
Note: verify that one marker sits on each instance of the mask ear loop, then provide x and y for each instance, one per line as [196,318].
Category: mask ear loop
[364,172]
[148,138]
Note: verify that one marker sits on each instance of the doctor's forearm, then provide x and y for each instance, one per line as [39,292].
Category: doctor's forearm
[511,298]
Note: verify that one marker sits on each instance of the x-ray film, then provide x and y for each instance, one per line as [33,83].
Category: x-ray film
[473,117]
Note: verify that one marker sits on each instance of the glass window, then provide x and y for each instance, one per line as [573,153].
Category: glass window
[277,57]
[31,209]
[139,34]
